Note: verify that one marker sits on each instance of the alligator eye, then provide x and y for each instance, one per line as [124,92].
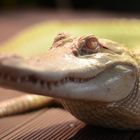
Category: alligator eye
[91,42]
[89,45]
[93,45]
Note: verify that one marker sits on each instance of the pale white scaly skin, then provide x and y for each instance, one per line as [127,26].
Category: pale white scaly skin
[87,74]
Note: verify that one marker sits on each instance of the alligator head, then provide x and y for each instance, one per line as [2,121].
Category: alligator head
[97,80]
[83,68]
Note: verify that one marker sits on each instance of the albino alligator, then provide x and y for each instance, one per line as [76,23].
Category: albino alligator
[97,80]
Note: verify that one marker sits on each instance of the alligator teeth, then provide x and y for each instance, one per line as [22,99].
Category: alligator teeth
[23,78]
[62,81]
[76,80]
[40,82]
[49,85]
[66,79]
[37,83]
[26,78]
[5,76]
[70,79]
[81,80]
[56,83]
[2,76]
[8,78]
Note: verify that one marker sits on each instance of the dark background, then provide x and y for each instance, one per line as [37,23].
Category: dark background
[107,5]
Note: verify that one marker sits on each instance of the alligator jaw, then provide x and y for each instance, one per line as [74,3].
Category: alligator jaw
[69,83]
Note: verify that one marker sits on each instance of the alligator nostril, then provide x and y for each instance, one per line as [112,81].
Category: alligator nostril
[61,36]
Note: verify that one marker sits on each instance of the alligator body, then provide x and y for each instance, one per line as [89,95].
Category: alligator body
[96,80]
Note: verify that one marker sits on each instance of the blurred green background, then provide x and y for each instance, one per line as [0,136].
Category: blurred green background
[100,20]
[38,38]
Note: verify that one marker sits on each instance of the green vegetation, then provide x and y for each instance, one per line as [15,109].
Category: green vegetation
[38,38]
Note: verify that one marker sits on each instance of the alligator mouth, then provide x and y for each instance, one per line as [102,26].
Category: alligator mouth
[106,82]
[34,80]
[95,79]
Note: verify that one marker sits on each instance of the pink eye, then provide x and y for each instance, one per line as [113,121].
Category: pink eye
[89,45]
[91,42]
